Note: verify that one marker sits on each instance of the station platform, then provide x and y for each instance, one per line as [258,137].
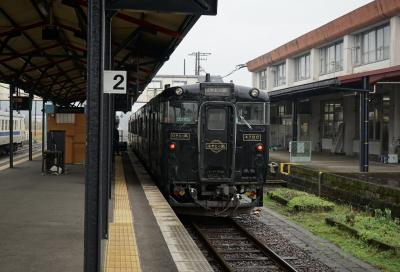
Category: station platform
[41,219]
[42,223]
[154,239]
[335,163]
[338,178]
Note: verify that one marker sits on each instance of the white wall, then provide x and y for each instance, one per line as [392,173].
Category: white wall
[395,41]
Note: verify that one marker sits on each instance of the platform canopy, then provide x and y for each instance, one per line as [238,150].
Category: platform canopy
[43,47]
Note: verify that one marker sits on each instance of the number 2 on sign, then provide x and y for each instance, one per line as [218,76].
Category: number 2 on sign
[114,82]
[117,85]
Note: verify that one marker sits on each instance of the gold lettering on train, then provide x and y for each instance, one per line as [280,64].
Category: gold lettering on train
[180,136]
[251,137]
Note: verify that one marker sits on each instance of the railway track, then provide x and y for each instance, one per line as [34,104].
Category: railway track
[20,153]
[235,248]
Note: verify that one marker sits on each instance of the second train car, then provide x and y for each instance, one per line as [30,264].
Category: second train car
[206,146]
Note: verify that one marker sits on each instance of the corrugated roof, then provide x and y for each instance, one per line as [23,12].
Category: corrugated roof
[56,69]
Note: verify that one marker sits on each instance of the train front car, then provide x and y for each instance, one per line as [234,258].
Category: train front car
[215,147]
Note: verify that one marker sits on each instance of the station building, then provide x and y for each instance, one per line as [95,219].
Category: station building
[316,73]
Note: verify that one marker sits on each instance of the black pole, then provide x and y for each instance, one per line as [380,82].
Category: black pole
[35,117]
[92,240]
[43,131]
[294,120]
[104,128]
[11,125]
[110,144]
[30,126]
[364,148]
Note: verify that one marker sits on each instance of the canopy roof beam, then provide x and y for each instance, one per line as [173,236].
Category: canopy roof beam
[199,7]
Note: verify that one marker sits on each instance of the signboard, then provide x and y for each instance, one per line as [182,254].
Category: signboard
[252,137]
[300,151]
[49,108]
[70,110]
[180,136]
[21,103]
[114,82]
[217,91]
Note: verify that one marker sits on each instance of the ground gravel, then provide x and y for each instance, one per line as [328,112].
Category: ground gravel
[294,255]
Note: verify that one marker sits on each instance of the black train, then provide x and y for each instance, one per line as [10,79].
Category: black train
[206,145]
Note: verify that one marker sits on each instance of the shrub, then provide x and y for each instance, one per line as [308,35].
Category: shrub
[309,203]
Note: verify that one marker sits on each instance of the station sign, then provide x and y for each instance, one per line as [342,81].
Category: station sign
[21,103]
[114,82]
[70,110]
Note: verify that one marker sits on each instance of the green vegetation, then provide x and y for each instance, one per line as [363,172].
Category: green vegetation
[310,203]
[302,201]
[287,194]
[381,227]
[315,222]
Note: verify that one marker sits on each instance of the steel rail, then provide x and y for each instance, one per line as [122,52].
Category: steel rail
[21,153]
[261,248]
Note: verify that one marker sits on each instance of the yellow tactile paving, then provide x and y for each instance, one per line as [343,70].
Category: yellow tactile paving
[121,252]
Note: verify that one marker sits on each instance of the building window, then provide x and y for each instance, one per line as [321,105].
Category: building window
[65,118]
[331,58]
[262,79]
[302,67]
[176,83]
[280,74]
[374,118]
[155,84]
[332,119]
[372,45]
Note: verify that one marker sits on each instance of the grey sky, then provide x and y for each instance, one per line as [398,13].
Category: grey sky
[245,29]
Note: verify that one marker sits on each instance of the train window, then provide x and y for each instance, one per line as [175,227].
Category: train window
[216,119]
[251,113]
[182,113]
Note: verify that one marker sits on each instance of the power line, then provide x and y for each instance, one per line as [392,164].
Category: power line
[238,67]
[199,56]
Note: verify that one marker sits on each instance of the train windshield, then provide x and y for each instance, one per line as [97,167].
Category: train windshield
[251,113]
[182,113]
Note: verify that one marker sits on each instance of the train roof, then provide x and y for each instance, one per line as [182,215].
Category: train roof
[241,93]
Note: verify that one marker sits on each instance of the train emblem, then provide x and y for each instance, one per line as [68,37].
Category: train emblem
[216,146]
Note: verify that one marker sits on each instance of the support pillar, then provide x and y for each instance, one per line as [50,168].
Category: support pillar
[43,131]
[294,120]
[93,189]
[110,144]
[104,130]
[11,124]
[30,126]
[364,148]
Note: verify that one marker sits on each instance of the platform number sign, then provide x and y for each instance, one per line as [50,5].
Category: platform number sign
[114,82]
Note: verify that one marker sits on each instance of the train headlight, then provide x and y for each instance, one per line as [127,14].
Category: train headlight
[254,93]
[172,146]
[179,91]
[259,147]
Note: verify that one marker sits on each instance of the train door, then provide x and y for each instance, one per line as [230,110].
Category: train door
[217,141]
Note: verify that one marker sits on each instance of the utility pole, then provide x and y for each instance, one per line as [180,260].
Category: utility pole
[199,56]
